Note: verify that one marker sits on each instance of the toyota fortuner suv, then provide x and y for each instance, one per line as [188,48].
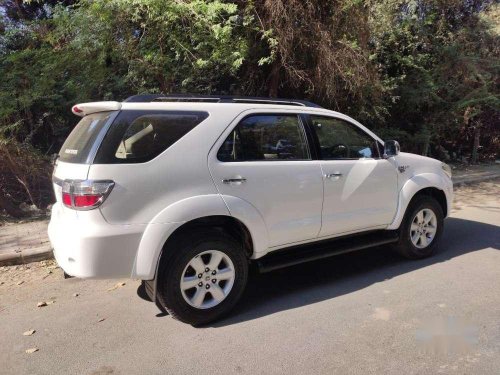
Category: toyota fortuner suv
[185,192]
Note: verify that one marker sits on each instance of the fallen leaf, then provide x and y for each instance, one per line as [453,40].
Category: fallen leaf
[20,282]
[41,304]
[116,286]
[29,333]
[32,350]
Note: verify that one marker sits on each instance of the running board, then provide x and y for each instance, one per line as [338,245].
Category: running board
[324,249]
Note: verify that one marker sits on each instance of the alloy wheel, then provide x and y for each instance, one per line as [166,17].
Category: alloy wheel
[423,228]
[207,279]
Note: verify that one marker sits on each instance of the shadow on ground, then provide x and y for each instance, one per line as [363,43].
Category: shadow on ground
[329,278]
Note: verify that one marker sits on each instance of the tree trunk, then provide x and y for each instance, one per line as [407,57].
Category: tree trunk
[274,79]
[425,148]
[20,177]
[475,145]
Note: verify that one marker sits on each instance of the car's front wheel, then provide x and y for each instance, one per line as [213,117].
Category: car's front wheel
[203,278]
[421,228]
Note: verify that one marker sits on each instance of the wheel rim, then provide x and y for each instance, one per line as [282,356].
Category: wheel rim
[207,279]
[423,228]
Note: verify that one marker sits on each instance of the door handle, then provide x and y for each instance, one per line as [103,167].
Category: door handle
[333,175]
[234,180]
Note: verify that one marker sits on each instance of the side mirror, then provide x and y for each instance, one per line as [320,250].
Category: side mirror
[391,148]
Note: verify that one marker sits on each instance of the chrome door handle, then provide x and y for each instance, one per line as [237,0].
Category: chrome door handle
[333,175]
[234,180]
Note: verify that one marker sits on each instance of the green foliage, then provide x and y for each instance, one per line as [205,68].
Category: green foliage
[423,72]
[439,62]
[156,45]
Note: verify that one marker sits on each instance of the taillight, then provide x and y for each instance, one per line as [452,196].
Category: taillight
[86,194]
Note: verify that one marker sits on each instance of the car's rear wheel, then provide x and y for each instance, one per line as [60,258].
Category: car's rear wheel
[203,278]
[421,228]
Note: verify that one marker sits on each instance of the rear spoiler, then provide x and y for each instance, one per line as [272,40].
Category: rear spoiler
[85,109]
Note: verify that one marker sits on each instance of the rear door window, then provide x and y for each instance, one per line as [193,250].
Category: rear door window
[140,136]
[267,138]
[79,145]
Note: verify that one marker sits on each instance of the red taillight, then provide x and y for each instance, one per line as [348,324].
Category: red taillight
[66,197]
[86,200]
[85,195]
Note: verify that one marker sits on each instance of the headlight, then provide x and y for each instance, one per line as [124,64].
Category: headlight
[446,169]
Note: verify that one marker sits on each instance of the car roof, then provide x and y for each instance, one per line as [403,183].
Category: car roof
[84,109]
[158,100]
[144,98]
[212,104]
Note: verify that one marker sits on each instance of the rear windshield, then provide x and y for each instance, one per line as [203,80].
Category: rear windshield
[77,147]
[139,136]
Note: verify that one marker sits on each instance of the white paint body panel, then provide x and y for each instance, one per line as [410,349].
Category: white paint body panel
[421,173]
[270,188]
[281,203]
[365,196]
[85,245]
[287,194]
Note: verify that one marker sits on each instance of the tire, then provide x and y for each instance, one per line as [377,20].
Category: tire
[183,259]
[406,246]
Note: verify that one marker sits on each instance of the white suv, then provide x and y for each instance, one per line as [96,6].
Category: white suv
[186,192]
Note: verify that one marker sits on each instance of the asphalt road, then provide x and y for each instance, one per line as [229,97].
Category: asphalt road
[361,313]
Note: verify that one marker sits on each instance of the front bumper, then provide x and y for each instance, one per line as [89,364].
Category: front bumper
[448,191]
[87,246]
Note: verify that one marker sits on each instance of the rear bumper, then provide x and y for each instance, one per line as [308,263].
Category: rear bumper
[86,246]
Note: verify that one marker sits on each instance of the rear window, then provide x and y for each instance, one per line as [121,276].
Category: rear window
[140,136]
[78,146]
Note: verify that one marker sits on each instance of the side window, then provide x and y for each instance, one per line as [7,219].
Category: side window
[139,136]
[339,139]
[266,137]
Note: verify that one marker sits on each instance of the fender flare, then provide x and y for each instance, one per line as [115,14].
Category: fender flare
[411,187]
[174,216]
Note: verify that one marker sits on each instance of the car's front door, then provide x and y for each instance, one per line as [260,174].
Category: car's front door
[360,187]
[265,160]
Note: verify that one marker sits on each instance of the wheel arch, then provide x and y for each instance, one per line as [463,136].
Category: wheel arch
[198,211]
[430,184]
[435,193]
[227,224]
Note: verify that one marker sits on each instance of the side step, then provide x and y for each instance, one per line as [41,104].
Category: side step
[324,249]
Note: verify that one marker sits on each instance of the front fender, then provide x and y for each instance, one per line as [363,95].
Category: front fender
[412,186]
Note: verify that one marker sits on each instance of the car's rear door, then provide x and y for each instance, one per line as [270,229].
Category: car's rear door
[264,159]
[78,151]
[360,187]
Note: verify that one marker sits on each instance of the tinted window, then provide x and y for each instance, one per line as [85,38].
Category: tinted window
[339,139]
[139,136]
[77,147]
[266,137]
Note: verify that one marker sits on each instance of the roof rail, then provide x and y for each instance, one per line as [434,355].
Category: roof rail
[146,98]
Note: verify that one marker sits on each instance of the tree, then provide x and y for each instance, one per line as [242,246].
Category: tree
[423,72]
